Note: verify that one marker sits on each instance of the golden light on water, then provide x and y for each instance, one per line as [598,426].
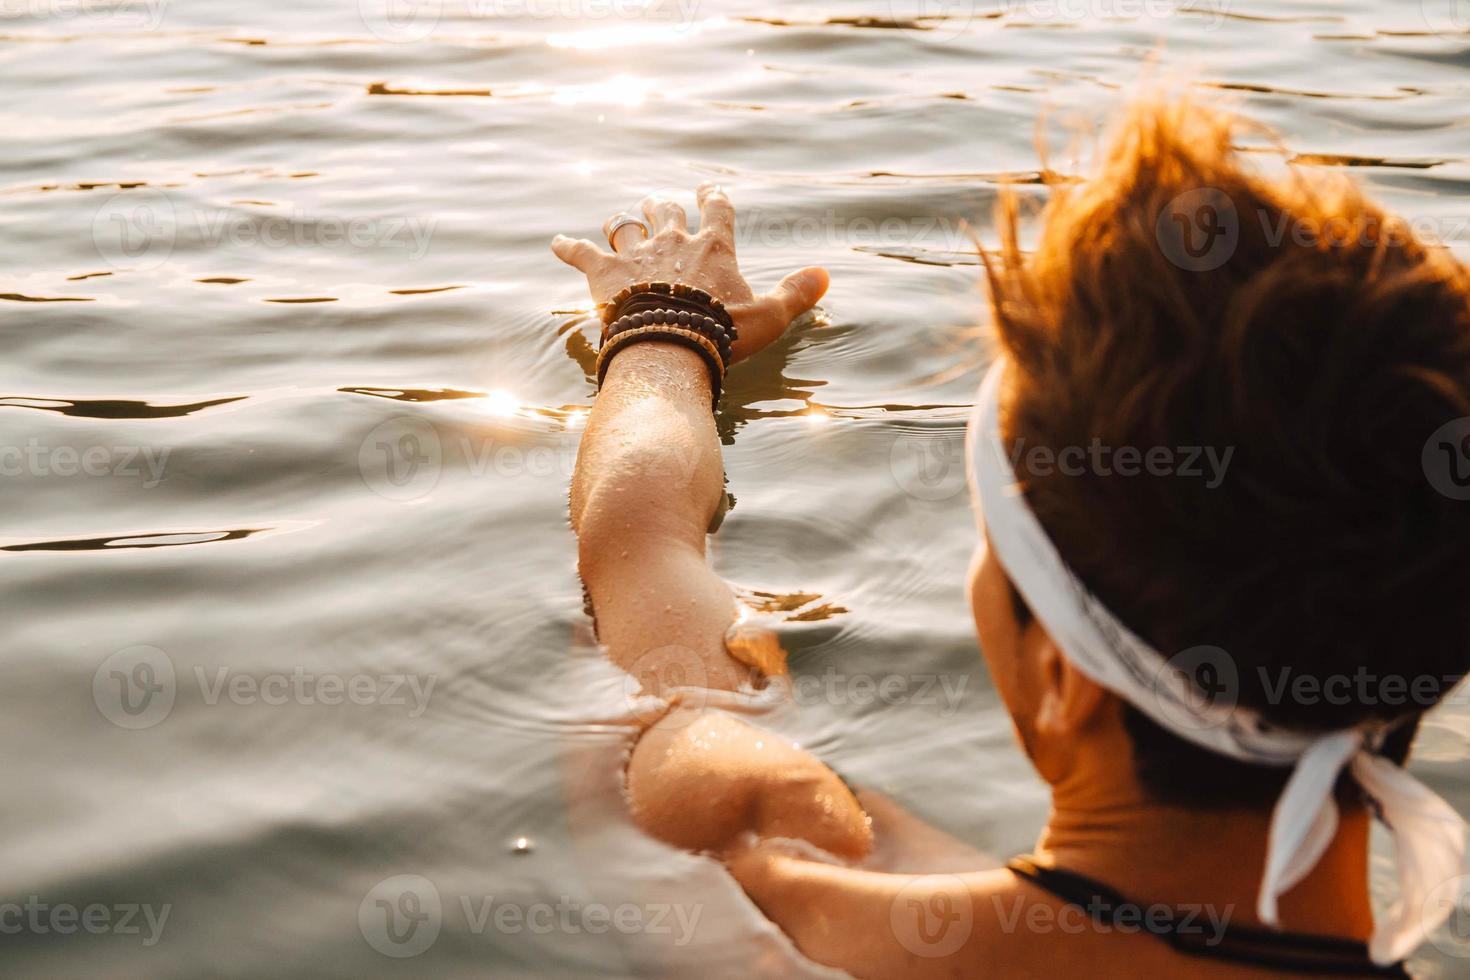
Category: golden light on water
[628,90]
[625,35]
[502,404]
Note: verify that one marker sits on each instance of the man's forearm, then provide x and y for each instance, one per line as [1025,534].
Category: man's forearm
[648,481]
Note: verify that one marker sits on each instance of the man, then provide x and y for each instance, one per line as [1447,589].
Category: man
[1147,621]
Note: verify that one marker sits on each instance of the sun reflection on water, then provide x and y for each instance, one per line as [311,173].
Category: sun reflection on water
[628,90]
[625,35]
[502,404]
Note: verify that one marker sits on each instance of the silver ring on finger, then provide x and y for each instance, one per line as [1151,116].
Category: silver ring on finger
[621,220]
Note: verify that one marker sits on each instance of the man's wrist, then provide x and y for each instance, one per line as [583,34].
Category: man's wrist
[669,366]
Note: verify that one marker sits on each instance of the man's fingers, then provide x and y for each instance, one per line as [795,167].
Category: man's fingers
[716,213]
[623,231]
[800,291]
[663,214]
[578,253]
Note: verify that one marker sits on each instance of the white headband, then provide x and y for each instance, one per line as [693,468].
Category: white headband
[1429,836]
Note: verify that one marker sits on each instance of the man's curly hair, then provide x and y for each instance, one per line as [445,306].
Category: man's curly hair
[1181,299]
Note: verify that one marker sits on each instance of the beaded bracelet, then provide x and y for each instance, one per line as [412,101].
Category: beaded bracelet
[642,296]
[699,323]
[695,341]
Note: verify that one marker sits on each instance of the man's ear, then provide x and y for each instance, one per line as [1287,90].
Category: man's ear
[1069,700]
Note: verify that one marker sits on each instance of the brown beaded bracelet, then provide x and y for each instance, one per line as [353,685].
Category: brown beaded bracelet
[695,341]
[642,296]
[697,322]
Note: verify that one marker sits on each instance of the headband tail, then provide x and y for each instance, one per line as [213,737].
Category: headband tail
[1304,821]
[1429,841]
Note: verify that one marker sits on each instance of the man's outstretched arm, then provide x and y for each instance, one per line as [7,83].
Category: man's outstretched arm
[648,482]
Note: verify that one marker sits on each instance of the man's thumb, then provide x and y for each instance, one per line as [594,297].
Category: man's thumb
[800,291]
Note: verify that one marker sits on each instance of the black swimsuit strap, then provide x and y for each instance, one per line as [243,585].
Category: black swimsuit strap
[1300,953]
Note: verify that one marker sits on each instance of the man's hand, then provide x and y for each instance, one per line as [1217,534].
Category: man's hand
[705,259]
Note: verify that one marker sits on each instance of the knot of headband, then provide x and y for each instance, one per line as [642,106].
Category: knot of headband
[1428,835]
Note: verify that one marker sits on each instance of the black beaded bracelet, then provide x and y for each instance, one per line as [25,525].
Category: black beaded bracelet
[643,296]
[698,322]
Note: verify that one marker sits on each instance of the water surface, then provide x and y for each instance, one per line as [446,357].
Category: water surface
[264,256]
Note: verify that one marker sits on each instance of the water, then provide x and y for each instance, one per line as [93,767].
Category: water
[205,507]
